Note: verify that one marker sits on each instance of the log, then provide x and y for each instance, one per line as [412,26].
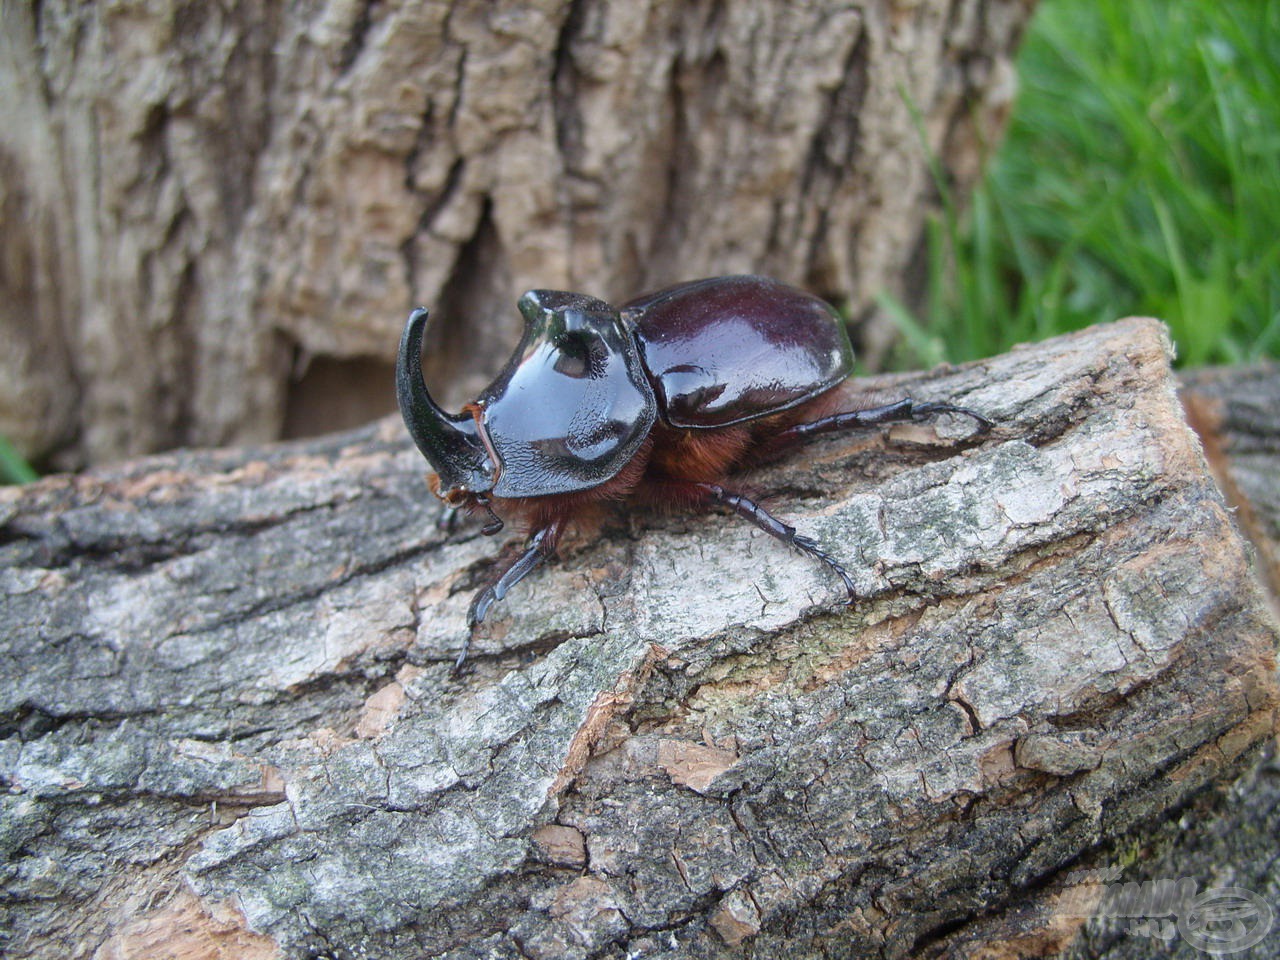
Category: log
[1226,837]
[217,216]
[231,727]
[1236,412]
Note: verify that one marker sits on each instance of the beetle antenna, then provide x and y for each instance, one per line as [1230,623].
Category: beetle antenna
[495,522]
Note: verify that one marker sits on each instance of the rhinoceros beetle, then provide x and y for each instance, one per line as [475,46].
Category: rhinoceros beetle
[654,402]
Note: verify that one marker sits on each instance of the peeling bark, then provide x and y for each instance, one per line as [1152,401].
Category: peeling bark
[216,216]
[228,701]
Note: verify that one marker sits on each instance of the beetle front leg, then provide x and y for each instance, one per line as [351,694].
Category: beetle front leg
[900,411]
[749,510]
[541,546]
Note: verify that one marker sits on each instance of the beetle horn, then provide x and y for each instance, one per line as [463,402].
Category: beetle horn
[450,443]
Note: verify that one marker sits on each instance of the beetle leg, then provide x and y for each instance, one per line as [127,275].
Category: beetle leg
[750,510]
[900,411]
[447,522]
[542,544]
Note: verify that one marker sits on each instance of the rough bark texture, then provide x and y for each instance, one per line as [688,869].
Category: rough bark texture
[1223,838]
[216,216]
[231,728]
[1237,414]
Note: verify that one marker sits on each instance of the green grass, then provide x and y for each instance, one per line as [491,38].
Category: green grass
[1140,174]
[13,469]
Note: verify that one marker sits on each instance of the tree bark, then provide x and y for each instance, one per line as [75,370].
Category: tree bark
[216,216]
[1236,411]
[232,729]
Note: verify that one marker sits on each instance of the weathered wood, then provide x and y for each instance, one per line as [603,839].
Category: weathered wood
[229,707]
[1236,412]
[217,215]
[1227,837]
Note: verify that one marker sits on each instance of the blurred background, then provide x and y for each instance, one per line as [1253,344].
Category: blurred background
[1140,174]
[215,218]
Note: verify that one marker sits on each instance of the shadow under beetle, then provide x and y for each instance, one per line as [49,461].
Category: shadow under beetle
[656,403]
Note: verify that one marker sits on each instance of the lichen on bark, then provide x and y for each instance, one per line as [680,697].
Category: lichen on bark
[230,672]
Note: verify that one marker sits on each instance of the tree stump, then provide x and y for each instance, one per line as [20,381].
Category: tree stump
[217,215]
[232,730]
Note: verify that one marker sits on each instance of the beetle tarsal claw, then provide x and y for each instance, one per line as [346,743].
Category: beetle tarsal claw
[920,411]
[984,425]
[456,669]
[811,547]
[479,608]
